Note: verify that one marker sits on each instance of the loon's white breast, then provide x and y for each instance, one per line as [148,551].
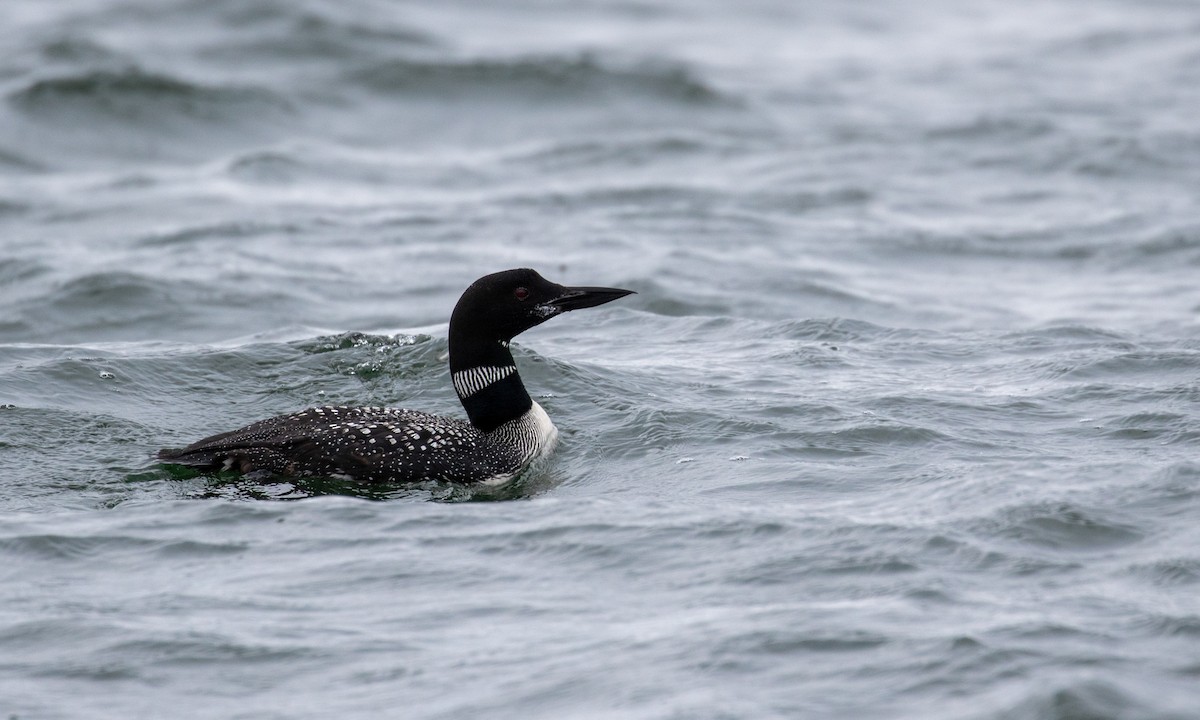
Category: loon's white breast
[536,432]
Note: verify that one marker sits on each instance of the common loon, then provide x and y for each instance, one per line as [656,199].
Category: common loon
[506,432]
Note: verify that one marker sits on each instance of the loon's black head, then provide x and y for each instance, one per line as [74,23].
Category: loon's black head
[494,310]
[500,306]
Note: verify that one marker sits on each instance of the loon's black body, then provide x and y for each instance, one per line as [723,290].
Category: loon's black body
[507,429]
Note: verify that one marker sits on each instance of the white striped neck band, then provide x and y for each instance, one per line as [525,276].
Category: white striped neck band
[469,382]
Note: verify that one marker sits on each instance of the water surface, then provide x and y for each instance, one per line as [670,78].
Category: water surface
[902,423]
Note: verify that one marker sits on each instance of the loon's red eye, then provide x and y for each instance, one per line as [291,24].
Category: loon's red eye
[521,293]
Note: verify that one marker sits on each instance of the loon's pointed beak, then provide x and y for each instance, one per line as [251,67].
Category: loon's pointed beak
[577,298]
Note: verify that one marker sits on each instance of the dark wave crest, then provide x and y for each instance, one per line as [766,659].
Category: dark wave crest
[548,77]
[147,98]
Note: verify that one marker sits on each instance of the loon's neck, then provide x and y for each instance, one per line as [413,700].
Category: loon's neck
[486,380]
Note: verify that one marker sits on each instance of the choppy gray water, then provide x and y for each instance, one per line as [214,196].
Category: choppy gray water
[904,421]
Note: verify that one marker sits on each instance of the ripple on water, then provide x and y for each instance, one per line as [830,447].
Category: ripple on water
[1170,572]
[1124,367]
[103,115]
[1165,427]
[17,270]
[147,99]
[1060,526]
[289,34]
[1084,700]
[545,78]
[67,547]
[590,154]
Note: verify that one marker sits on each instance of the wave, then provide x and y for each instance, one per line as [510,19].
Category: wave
[1092,699]
[123,305]
[994,128]
[592,153]
[142,98]
[11,160]
[1060,526]
[316,36]
[545,78]
[49,547]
